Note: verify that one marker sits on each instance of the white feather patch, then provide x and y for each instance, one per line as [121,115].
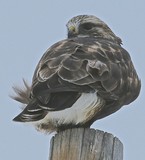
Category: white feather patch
[80,112]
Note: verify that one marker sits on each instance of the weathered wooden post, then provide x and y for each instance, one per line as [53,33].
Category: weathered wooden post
[85,144]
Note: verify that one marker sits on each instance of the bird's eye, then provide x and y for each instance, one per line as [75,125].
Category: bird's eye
[88,26]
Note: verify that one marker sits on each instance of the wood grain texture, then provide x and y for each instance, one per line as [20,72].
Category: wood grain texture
[85,144]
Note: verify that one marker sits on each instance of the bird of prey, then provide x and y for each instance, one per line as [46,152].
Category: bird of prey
[79,80]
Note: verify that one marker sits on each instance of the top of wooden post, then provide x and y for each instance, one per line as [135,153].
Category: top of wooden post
[85,144]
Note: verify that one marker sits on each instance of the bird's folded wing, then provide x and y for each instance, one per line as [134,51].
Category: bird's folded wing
[82,65]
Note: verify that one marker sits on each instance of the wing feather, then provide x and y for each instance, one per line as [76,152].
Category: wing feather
[71,67]
[88,61]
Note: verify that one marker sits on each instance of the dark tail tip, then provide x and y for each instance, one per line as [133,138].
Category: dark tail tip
[17,119]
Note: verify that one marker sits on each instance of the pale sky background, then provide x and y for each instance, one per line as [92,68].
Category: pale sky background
[27,29]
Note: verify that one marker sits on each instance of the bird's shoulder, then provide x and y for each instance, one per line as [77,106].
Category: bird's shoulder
[71,53]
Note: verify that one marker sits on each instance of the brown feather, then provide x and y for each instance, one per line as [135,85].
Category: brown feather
[22,94]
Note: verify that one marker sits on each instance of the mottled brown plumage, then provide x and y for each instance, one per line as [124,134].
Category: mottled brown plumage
[90,64]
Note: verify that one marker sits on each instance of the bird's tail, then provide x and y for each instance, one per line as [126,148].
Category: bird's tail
[22,94]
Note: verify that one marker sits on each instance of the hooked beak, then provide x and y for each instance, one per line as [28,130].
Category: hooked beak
[72,32]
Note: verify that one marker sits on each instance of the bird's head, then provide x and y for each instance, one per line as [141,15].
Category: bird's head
[90,26]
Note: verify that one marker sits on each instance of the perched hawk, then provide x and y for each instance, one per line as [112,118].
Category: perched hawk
[80,79]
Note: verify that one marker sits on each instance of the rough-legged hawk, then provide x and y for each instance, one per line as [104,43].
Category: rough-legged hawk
[80,79]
